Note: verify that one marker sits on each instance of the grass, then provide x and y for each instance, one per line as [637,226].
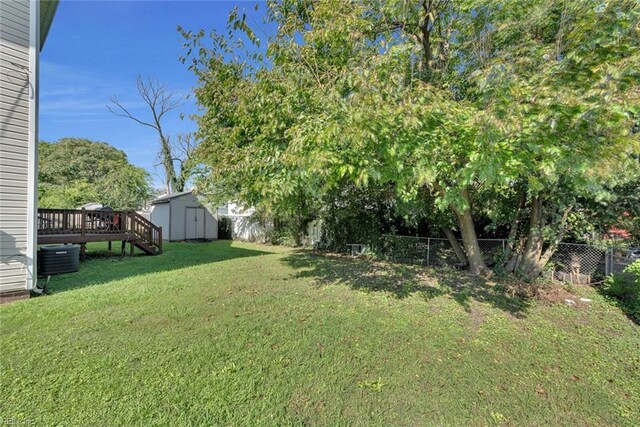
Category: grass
[241,334]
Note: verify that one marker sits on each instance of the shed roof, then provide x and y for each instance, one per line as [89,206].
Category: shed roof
[167,197]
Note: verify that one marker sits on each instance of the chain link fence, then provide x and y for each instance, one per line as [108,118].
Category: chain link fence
[433,251]
[583,264]
[572,262]
[578,263]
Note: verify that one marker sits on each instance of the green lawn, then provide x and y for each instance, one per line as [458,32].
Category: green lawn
[238,334]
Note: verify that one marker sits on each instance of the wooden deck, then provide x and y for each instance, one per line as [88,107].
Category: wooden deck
[83,226]
[48,239]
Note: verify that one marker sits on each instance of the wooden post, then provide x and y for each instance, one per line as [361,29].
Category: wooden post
[83,251]
[160,239]
[109,247]
[82,222]
[131,250]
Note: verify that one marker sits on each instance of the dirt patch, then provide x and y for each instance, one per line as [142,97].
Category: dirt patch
[553,295]
[545,293]
[477,318]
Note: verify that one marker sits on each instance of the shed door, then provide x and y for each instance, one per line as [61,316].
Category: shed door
[195,223]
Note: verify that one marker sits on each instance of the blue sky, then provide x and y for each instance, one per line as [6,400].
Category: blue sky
[95,49]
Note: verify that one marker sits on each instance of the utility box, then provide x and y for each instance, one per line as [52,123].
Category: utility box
[59,259]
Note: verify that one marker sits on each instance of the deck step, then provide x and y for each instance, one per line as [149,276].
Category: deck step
[145,247]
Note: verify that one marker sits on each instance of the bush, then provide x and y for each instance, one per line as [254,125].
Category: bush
[355,215]
[225,228]
[626,288]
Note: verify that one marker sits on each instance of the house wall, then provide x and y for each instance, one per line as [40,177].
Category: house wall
[18,135]
[244,227]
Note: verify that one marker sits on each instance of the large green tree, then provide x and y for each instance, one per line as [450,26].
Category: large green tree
[76,171]
[529,104]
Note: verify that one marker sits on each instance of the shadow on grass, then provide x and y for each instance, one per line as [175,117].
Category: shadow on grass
[101,268]
[403,280]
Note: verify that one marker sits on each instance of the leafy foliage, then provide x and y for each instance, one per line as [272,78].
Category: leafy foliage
[465,101]
[626,288]
[355,215]
[75,171]
[619,207]
[225,228]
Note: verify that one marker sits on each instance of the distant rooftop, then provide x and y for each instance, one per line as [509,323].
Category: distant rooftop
[168,197]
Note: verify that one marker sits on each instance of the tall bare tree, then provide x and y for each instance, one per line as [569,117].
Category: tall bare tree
[161,101]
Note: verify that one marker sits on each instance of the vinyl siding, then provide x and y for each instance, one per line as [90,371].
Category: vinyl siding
[160,216]
[14,142]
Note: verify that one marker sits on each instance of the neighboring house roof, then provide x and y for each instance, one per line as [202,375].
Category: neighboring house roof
[95,207]
[167,197]
[91,206]
[47,10]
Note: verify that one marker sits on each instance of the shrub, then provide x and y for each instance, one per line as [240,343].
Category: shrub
[224,228]
[634,270]
[626,288]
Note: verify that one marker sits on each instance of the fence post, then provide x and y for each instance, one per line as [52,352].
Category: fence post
[428,249]
[610,261]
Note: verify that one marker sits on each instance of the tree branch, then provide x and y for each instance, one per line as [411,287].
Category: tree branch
[125,113]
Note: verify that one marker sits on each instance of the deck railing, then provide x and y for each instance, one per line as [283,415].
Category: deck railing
[144,229]
[82,222]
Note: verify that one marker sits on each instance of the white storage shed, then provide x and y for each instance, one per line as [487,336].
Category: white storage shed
[183,217]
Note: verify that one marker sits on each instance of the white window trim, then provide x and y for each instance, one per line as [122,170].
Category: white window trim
[32,169]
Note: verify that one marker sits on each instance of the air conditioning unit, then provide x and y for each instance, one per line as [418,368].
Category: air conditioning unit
[58,259]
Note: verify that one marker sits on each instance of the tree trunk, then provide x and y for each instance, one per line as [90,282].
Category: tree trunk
[514,255]
[468,231]
[425,28]
[469,238]
[456,246]
[544,258]
[470,241]
[532,259]
[532,251]
[515,244]
[167,164]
